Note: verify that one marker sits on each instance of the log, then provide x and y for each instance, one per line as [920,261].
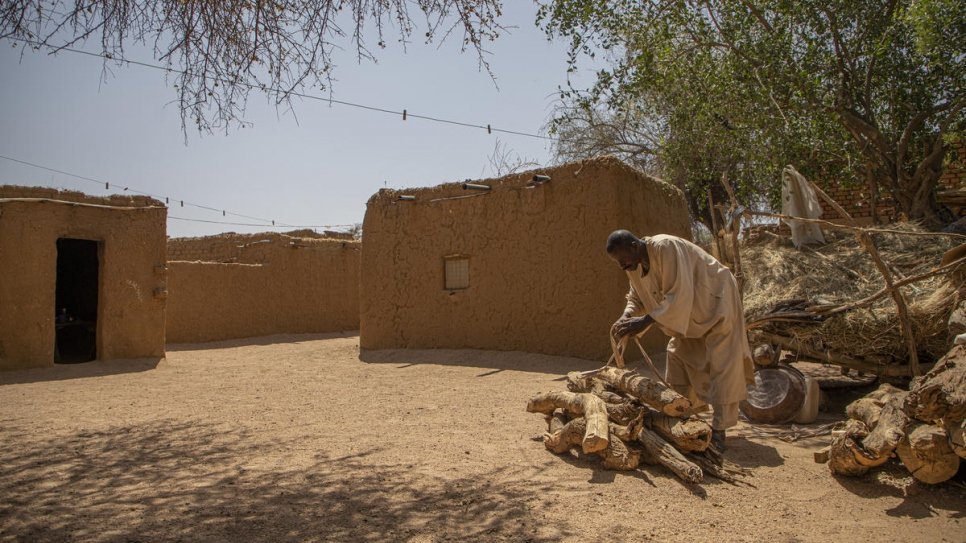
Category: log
[866,410]
[821,456]
[578,405]
[625,412]
[720,468]
[841,459]
[587,384]
[658,451]
[654,394]
[562,438]
[616,455]
[941,393]
[687,435]
[556,421]
[877,447]
[957,436]
[927,454]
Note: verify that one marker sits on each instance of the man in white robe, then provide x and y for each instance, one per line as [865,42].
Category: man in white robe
[695,300]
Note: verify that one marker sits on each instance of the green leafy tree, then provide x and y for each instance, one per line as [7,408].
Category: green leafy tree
[841,88]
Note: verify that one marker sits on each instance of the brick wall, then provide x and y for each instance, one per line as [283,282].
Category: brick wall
[858,200]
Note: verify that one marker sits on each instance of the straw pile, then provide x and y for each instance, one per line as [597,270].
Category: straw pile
[841,271]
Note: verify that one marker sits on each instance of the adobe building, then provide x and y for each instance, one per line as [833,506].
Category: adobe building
[520,266]
[81,277]
[245,285]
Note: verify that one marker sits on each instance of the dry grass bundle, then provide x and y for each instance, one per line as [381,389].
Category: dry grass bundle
[842,271]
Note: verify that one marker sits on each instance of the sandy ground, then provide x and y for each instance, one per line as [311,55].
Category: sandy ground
[299,438]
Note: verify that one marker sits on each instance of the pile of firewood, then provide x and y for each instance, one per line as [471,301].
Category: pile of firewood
[627,419]
[924,426]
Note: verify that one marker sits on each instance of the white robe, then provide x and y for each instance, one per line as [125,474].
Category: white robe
[695,300]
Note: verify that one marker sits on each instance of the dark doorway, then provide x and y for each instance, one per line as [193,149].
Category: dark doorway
[76,309]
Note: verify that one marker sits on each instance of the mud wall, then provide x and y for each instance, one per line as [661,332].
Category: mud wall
[539,278]
[243,248]
[272,284]
[130,232]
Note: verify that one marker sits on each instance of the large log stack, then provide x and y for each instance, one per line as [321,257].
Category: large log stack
[925,426]
[626,419]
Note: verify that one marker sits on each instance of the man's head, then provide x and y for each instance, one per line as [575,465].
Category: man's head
[626,249]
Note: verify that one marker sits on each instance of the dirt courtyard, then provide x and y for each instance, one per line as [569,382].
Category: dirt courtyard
[297,438]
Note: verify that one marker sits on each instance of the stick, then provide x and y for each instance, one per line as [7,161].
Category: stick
[897,296]
[829,357]
[831,224]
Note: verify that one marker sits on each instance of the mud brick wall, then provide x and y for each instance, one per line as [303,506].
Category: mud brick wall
[539,279]
[274,284]
[130,237]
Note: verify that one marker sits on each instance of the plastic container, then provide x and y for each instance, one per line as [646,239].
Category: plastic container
[813,395]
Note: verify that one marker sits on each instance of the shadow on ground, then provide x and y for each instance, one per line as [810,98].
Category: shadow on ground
[494,360]
[191,481]
[919,500]
[61,372]
[261,340]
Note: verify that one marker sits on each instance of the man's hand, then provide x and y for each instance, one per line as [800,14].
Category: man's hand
[630,325]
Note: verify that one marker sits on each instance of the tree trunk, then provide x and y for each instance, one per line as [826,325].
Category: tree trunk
[585,383]
[927,454]
[841,459]
[687,435]
[578,405]
[561,439]
[941,393]
[647,391]
[876,448]
[957,436]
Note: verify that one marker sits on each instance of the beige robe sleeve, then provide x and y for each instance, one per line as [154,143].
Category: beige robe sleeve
[676,281]
[634,304]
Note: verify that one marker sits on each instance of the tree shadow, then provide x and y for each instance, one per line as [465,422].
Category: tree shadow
[260,340]
[169,480]
[919,500]
[644,473]
[94,368]
[475,358]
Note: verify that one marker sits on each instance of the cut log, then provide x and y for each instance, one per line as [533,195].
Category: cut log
[646,391]
[616,455]
[884,392]
[556,421]
[719,468]
[841,459]
[866,410]
[561,439]
[578,405]
[957,436]
[624,412]
[877,447]
[927,454]
[658,451]
[687,435]
[941,393]
[821,456]
[585,383]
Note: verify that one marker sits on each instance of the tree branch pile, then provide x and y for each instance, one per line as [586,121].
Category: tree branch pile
[627,420]
[923,426]
[829,303]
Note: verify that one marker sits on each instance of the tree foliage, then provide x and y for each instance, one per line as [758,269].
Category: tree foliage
[219,51]
[841,88]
